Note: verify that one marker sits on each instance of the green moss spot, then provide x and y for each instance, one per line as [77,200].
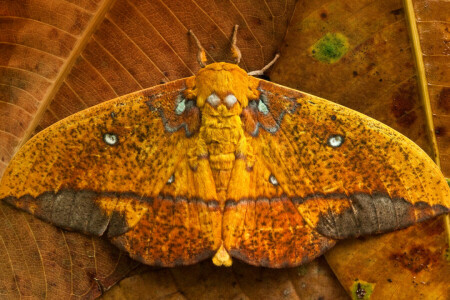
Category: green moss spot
[361,290]
[330,48]
[448,181]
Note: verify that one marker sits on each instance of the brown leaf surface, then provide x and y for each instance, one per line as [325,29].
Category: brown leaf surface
[41,261]
[433,19]
[407,264]
[205,281]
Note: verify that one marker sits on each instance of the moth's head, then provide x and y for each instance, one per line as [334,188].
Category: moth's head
[223,89]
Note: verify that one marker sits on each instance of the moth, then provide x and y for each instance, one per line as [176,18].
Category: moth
[222,165]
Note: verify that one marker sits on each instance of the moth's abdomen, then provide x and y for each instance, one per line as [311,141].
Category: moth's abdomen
[222,161]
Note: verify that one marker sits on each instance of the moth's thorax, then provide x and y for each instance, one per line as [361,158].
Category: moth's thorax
[222,91]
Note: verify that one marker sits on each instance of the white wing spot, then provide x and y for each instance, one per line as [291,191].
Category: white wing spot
[273,180]
[262,107]
[335,140]
[213,99]
[230,100]
[110,138]
[181,106]
[171,179]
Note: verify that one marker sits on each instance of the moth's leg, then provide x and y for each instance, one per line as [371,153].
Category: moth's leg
[201,54]
[235,52]
[261,72]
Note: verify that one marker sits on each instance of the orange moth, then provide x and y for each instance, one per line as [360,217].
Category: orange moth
[223,165]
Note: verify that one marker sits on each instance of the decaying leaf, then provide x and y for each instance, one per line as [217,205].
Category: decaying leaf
[241,281]
[432,25]
[41,261]
[413,265]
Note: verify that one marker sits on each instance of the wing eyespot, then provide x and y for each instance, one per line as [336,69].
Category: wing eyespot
[262,107]
[335,140]
[273,180]
[171,179]
[181,105]
[110,138]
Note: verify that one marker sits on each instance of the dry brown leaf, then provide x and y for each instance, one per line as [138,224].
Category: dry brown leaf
[407,264]
[432,19]
[205,281]
[41,261]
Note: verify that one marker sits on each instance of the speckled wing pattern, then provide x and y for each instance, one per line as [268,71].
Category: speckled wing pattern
[327,173]
[107,170]
[314,172]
